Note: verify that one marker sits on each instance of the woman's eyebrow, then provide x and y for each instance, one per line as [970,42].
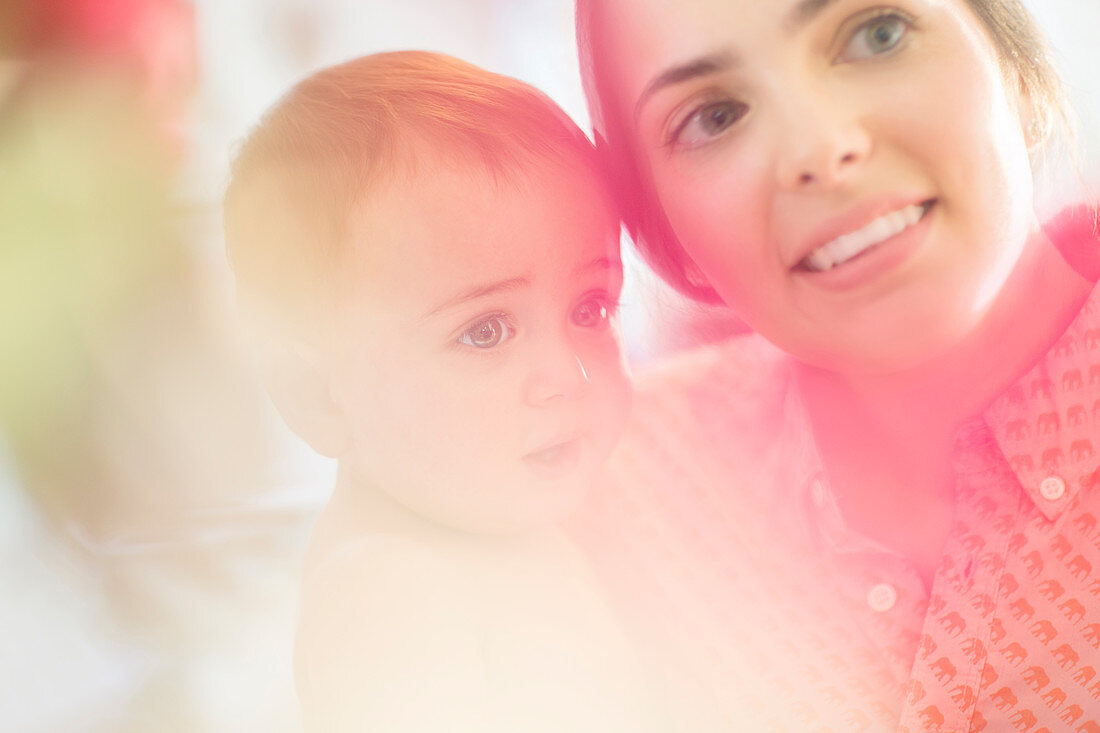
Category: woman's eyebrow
[801,14]
[678,74]
[804,12]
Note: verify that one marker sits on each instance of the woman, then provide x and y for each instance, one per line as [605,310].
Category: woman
[889,521]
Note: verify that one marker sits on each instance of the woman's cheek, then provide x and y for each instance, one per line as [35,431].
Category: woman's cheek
[725,238]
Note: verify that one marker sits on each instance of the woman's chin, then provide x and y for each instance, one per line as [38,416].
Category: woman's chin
[901,351]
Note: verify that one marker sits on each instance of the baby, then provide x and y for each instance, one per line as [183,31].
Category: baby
[430,264]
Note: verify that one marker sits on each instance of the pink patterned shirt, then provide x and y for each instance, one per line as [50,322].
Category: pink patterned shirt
[719,534]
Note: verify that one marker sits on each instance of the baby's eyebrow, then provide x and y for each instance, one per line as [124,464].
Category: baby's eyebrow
[480,292]
[602,263]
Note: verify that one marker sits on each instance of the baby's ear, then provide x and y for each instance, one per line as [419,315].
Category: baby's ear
[300,386]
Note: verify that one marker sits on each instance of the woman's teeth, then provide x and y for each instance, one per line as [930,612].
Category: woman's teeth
[847,246]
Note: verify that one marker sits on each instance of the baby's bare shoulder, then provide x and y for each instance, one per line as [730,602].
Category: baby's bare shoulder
[383,573]
[407,634]
[386,624]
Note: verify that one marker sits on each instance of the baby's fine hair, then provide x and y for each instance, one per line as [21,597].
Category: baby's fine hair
[347,130]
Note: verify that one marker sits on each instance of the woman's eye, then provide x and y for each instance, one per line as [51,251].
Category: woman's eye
[593,313]
[708,122]
[488,332]
[876,37]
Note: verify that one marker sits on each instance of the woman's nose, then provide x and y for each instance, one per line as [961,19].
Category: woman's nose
[821,144]
[557,373]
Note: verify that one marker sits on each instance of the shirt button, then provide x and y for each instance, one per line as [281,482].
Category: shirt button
[1052,488]
[882,597]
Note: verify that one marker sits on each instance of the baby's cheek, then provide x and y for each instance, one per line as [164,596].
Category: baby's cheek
[604,359]
[620,411]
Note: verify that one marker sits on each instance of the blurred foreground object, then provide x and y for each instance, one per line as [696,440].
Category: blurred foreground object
[133,431]
[103,338]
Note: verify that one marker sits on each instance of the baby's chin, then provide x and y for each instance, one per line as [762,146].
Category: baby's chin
[513,509]
[531,515]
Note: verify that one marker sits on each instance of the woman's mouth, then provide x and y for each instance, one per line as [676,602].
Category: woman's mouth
[848,247]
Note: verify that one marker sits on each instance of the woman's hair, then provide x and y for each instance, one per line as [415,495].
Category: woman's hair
[1020,45]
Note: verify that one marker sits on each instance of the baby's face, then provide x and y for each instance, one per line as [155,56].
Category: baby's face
[480,370]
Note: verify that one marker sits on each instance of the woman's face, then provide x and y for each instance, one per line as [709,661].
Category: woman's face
[852,177]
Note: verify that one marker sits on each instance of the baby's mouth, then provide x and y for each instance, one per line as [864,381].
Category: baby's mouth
[551,454]
[847,247]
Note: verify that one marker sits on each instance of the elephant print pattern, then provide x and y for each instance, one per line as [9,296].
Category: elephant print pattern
[1026,523]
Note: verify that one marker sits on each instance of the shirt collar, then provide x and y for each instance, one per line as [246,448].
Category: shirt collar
[1047,424]
[1042,424]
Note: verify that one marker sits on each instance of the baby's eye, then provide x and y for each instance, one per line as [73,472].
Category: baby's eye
[708,122]
[488,332]
[878,36]
[593,312]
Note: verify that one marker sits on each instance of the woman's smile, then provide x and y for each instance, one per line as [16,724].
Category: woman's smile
[861,257]
[839,250]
